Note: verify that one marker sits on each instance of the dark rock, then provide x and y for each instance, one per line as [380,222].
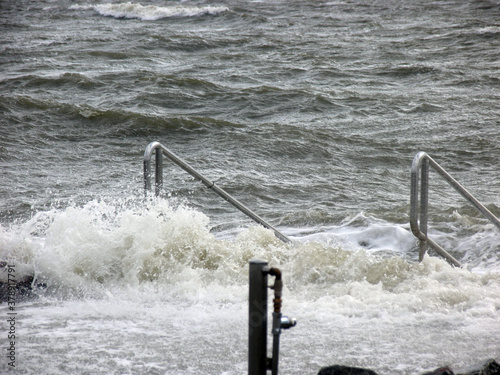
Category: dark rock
[441,371]
[16,281]
[345,370]
[490,367]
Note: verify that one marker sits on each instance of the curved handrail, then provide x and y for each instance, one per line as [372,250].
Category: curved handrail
[421,162]
[160,150]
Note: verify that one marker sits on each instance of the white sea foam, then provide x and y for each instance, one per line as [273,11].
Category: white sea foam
[81,7]
[151,12]
[367,232]
[133,242]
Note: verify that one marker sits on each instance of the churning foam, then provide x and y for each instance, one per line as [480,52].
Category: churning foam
[129,242]
[151,12]
[134,243]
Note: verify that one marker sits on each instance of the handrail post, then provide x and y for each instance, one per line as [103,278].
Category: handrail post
[158,171]
[419,210]
[152,147]
[424,205]
[423,162]
[147,176]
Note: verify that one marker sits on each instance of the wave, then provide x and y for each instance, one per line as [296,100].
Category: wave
[131,10]
[409,70]
[108,244]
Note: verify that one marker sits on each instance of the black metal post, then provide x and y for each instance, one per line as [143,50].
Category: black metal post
[257,318]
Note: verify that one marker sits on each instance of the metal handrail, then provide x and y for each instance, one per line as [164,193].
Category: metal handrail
[161,150]
[421,162]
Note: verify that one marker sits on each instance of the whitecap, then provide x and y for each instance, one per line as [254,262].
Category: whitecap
[151,12]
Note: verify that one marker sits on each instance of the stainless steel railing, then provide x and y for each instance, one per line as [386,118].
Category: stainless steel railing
[160,150]
[422,162]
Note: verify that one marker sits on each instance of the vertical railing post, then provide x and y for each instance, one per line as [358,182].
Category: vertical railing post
[257,318]
[424,204]
[158,171]
[148,153]
[147,176]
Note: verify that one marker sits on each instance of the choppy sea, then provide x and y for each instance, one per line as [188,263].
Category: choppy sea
[308,112]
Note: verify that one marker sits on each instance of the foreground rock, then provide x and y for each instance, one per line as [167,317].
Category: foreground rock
[490,367]
[345,370]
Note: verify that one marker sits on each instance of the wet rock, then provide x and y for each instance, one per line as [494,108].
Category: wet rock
[489,367]
[345,370]
[16,281]
[441,371]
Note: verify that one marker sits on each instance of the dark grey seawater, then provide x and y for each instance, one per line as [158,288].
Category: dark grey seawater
[304,108]
[309,112]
